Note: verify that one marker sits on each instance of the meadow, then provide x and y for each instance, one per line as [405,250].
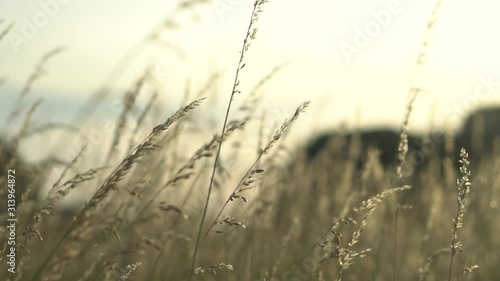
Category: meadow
[162,197]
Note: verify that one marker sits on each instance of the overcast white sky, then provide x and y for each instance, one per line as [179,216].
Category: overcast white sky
[306,34]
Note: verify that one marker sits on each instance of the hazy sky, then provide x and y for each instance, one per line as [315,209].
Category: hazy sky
[312,36]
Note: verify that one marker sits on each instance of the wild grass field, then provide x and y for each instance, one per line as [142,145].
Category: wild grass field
[161,199]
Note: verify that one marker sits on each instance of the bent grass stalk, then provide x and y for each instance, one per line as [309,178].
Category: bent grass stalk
[183,172]
[403,145]
[368,206]
[252,169]
[402,151]
[146,146]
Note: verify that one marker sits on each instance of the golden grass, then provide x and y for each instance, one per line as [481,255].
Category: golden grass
[271,217]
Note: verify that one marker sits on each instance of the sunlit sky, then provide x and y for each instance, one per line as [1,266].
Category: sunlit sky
[308,35]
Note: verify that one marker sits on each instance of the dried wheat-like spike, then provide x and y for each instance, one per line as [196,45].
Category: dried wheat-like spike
[82,227]
[427,35]
[17,139]
[252,170]
[464,186]
[205,151]
[39,71]
[141,119]
[231,221]
[347,258]
[128,103]
[284,126]
[373,201]
[128,271]
[331,239]
[153,36]
[148,145]
[470,269]
[26,124]
[212,269]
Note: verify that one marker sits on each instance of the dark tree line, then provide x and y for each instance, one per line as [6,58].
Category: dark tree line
[479,135]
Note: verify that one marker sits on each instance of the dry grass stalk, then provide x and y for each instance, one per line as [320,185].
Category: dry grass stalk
[402,151]
[428,31]
[403,145]
[6,31]
[425,270]
[347,258]
[17,139]
[470,269]
[230,221]
[186,171]
[464,186]
[141,118]
[128,271]
[32,229]
[204,151]
[247,180]
[81,227]
[153,37]
[251,35]
[147,146]
[129,100]
[331,239]
[212,269]
[311,194]
[66,169]
[39,71]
